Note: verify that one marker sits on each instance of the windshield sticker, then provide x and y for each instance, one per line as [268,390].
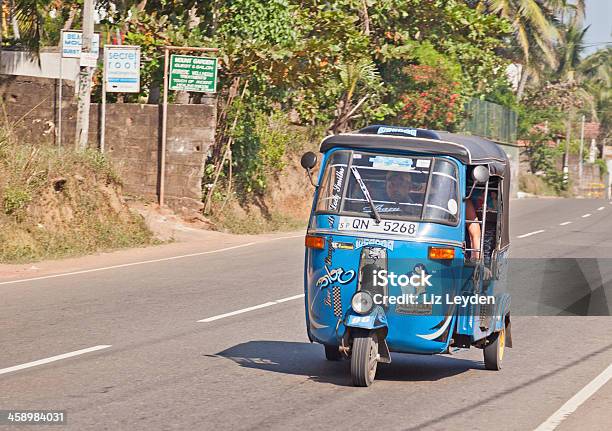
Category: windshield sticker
[381,209]
[339,180]
[356,156]
[333,203]
[452,206]
[335,198]
[392,163]
[338,275]
[386,243]
[423,163]
[409,132]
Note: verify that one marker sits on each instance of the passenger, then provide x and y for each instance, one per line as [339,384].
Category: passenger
[473,229]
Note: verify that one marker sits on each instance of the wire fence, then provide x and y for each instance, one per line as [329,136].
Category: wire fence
[491,121]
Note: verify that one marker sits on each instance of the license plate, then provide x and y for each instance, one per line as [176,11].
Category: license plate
[385,226]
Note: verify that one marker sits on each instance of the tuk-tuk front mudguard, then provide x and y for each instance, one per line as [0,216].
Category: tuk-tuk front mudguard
[375,321]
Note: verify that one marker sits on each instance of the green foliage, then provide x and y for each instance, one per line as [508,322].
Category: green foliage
[15,199]
[261,141]
[543,159]
[603,167]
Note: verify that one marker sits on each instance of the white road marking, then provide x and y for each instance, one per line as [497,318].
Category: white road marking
[144,262]
[52,359]
[573,403]
[525,235]
[586,215]
[601,208]
[565,223]
[246,310]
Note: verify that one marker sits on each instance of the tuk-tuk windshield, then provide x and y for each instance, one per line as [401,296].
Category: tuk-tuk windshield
[401,187]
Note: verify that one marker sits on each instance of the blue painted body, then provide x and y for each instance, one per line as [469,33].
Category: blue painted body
[332,273]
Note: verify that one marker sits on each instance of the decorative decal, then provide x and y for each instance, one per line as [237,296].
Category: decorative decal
[330,220]
[337,188]
[330,251]
[338,275]
[409,132]
[327,300]
[386,243]
[381,208]
[376,253]
[343,245]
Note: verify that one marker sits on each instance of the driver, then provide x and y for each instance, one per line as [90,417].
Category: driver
[399,188]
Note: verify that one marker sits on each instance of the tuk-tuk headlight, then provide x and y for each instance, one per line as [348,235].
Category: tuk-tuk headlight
[362,302]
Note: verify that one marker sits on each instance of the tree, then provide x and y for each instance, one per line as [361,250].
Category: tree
[535,32]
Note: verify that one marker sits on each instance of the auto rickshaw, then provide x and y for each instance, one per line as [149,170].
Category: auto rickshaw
[391,263]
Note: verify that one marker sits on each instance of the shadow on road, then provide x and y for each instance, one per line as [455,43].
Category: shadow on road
[306,359]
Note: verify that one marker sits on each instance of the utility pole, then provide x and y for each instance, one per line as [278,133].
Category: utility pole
[85,76]
[568,131]
[580,155]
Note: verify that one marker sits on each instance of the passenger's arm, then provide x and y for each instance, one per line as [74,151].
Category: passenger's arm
[473,228]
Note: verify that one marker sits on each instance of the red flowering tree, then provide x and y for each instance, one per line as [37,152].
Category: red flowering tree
[432,98]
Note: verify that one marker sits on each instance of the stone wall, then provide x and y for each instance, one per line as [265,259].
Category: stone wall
[132,136]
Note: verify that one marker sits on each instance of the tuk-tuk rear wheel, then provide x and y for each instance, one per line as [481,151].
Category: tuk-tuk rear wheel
[364,358]
[332,353]
[494,351]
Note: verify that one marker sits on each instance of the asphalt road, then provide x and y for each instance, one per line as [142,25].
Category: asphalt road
[157,367]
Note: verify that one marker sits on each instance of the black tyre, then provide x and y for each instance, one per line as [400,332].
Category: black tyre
[332,353]
[494,351]
[364,359]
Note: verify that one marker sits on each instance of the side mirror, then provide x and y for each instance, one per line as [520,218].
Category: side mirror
[309,160]
[480,174]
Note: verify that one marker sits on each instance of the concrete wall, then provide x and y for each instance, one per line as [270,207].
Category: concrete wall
[132,136]
[46,65]
[512,151]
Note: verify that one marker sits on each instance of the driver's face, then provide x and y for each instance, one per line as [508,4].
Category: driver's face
[399,187]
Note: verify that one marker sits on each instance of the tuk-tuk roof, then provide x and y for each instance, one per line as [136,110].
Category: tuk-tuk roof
[471,150]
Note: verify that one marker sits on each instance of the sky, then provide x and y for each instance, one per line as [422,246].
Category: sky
[599,17]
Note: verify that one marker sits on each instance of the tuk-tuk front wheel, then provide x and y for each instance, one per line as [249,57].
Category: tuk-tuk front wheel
[494,351]
[364,358]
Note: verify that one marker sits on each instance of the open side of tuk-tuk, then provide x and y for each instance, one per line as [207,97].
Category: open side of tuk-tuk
[394,260]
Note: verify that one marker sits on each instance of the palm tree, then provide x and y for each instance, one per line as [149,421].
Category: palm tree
[596,74]
[535,32]
[571,49]
[27,20]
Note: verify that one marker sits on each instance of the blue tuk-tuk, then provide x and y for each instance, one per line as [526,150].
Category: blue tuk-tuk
[406,247]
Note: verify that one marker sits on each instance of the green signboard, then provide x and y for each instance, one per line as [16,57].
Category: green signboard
[190,73]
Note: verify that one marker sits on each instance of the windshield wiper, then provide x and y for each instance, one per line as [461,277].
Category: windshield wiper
[366,193]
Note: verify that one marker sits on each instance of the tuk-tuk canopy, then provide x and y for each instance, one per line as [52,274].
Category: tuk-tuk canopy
[471,150]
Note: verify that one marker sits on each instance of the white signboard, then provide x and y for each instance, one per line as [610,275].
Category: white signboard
[122,68]
[72,44]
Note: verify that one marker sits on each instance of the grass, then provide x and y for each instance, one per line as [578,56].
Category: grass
[56,204]
[255,223]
